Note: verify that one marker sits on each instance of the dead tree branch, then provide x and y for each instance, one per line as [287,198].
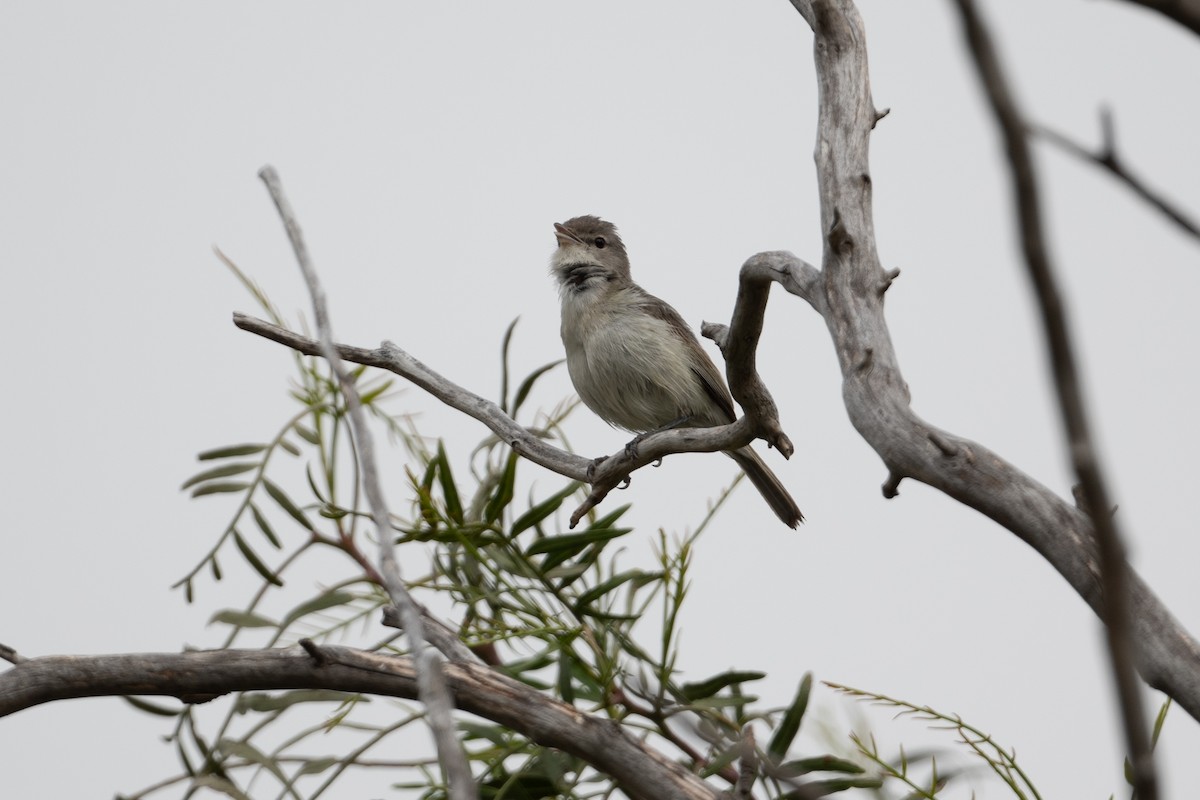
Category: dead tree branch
[603,475]
[1109,159]
[431,685]
[1114,568]
[641,771]
[847,293]
[1185,12]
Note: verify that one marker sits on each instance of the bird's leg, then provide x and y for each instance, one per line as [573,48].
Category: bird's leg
[631,449]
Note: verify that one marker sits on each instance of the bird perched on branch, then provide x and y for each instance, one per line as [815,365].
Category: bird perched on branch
[632,358]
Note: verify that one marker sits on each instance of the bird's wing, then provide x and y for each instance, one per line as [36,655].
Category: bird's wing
[704,369]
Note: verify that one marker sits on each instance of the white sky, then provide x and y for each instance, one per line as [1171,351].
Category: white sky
[427,150]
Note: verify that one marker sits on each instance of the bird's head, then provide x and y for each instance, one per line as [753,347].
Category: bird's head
[590,254]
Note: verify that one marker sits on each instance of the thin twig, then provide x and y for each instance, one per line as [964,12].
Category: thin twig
[431,683]
[1114,569]
[1108,158]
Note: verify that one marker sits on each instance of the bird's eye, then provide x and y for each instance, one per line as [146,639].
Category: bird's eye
[599,241]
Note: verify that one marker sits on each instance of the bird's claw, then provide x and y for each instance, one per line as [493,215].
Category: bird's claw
[591,468]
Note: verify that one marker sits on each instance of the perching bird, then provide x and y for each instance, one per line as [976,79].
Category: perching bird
[633,359]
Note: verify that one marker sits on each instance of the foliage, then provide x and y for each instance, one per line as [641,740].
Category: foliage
[562,611]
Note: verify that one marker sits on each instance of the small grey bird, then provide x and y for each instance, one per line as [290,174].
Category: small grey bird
[633,359]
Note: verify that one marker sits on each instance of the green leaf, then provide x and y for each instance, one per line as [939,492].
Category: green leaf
[790,725]
[821,788]
[286,503]
[265,527]
[709,687]
[504,364]
[601,589]
[1158,722]
[219,784]
[527,384]
[328,599]
[449,490]
[542,510]
[242,619]
[223,471]
[504,491]
[215,566]
[289,447]
[252,754]
[151,708]
[231,452]
[254,561]
[261,702]
[566,689]
[721,761]
[573,543]
[725,701]
[803,766]
[315,766]
[371,395]
[307,434]
[220,487]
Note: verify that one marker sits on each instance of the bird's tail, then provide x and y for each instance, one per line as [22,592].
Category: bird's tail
[768,485]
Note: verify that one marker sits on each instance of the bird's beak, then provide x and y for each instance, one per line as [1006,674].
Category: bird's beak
[564,235]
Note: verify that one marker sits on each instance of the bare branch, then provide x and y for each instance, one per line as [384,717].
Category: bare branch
[641,771]
[10,655]
[1185,12]
[1114,569]
[877,397]
[1108,158]
[604,474]
[430,681]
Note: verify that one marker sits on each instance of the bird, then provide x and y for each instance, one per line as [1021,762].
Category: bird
[631,357]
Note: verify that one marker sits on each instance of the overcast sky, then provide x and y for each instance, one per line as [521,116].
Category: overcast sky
[427,148]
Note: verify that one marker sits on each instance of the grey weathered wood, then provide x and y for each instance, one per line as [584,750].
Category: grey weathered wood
[199,676]
[849,293]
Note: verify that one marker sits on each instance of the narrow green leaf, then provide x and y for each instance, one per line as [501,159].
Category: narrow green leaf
[822,788]
[262,702]
[574,542]
[151,708]
[242,619]
[231,452]
[289,447]
[803,766]
[492,733]
[542,510]
[252,754]
[286,503]
[219,784]
[527,384]
[790,725]
[1158,722]
[601,589]
[187,592]
[508,333]
[504,491]
[721,761]
[215,566]
[709,687]
[315,766]
[307,434]
[328,599]
[254,561]
[220,487]
[265,527]
[223,471]
[371,395]
[449,490]
[724,701]
[566,689]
